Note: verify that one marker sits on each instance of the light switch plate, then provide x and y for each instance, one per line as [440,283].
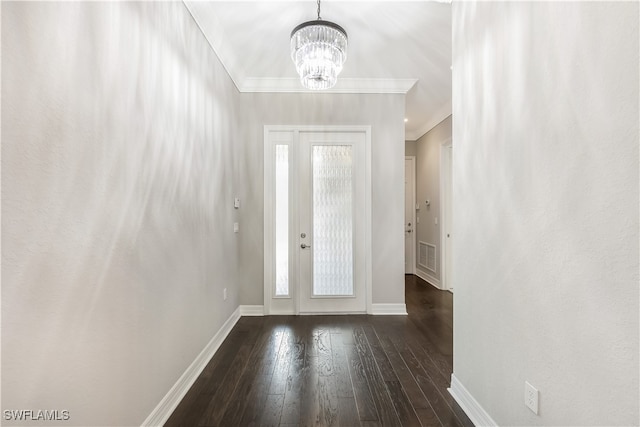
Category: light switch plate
[236,227]
[236,202]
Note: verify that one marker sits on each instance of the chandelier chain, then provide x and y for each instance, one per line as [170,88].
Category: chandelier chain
[319,10]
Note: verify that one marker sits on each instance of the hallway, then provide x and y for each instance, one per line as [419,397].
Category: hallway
[332,370]
[135,214]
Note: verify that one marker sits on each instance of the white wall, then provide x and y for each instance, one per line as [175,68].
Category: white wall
[118,138]
[428,187]
[385,115]
[124,142]
[546,214]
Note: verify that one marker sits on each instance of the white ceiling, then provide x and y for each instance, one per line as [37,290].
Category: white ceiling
[394,47]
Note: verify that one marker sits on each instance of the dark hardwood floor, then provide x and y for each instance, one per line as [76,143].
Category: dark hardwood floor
[332,370]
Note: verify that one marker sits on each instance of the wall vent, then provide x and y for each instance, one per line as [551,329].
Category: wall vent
[427,256]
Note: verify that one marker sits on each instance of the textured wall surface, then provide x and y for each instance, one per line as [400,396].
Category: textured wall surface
[118,139]
[124,142]
[428,187]
[545,180]
[384,113]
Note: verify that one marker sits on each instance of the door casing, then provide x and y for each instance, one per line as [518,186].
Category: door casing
[411,176]
[446,213]
[274,134]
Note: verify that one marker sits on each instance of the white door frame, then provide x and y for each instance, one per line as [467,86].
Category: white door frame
[294,227]
[446,174]
[413,211]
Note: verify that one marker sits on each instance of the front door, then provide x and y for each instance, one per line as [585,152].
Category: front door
[315,228]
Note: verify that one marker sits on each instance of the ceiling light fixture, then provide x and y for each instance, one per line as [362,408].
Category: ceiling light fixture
[319,49]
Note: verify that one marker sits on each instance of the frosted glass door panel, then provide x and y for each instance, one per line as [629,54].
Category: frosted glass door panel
[332,220]
[282,220]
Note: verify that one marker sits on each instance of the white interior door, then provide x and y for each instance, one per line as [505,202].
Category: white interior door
[316,257]
[446,168]
[409,215]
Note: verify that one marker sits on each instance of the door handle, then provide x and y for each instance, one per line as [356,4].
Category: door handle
[305,246]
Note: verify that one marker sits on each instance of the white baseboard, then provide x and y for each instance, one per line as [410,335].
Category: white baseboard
[282,313]
[252,310]
[469,405]
[170,401]
[388,309]
[428,278]
[330,313]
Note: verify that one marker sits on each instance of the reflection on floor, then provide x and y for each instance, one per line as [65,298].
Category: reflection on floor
[332,370]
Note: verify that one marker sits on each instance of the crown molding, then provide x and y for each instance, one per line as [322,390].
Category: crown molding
[221,50]
[436,118]
[344,85]
[290,84]
[287,84]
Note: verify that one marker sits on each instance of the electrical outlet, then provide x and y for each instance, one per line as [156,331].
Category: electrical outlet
[224,294]
[531,397]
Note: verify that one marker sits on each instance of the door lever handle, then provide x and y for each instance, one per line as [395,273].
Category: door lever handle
[305,246]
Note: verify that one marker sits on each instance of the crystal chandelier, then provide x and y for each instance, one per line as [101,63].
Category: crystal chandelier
[319,49]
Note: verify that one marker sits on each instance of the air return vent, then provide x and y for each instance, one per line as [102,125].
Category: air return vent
[427,256]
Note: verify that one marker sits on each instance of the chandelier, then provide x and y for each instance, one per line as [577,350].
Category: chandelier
[319,49]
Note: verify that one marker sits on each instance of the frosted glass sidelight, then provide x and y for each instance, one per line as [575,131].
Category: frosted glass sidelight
[332,220]
[282,220]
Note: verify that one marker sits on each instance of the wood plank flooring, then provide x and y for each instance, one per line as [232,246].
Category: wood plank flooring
[332,370]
